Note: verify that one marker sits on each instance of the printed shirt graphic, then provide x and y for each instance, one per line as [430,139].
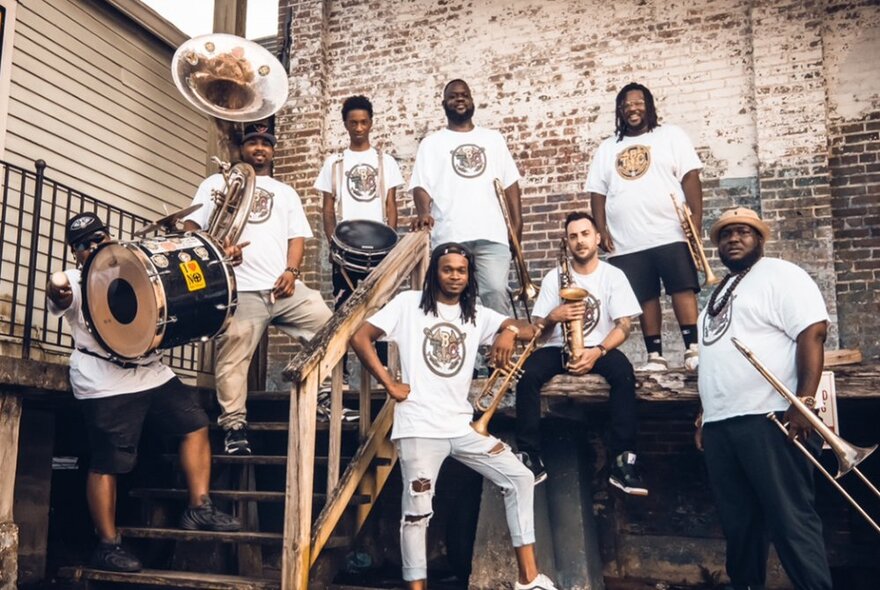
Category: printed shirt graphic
[437,355]
[458,169]
[611,298]
[770,306]
[92,377]
[276,216]
[360,183]
[637,175]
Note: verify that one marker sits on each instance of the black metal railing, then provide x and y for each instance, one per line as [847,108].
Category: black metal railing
[33,213]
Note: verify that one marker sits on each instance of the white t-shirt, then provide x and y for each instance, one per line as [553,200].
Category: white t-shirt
[458,169]
[637,175]
[611,298]
[360,183]
[276,216]
[92,377]
[437,355]
[769,308]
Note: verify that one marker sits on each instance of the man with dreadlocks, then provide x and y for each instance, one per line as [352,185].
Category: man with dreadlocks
[437,331]
[762,484]
[630,182]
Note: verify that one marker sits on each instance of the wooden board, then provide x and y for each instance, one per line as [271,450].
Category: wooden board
[170,579]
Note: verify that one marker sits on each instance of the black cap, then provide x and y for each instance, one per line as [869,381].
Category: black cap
[84,225]
[255,130]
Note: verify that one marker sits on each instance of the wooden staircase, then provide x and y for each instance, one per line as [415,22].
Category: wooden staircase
[354,463]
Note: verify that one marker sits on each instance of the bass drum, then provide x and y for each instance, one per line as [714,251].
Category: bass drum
[157,292]
[359,245]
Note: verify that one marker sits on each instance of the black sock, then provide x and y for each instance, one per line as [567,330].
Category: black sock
[689,334]
[654,344]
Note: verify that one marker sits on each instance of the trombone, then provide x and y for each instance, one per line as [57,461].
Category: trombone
[694,241]
[848,455]
[527,291]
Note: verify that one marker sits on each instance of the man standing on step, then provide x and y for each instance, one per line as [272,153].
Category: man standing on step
[632,180]
[359,183]
[453,185]
[269,289]
[437,331]
[606,312]
[116,398]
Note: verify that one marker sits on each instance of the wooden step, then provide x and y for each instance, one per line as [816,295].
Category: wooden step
[253,537]
[170,579]
[377,393]
[235,495]
[279,460]
[320,425]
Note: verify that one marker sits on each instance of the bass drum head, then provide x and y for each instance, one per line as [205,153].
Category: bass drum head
[364,235]
[119,301]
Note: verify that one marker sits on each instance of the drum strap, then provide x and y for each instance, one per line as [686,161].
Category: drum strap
[115,361]
[381,183]
[337,184]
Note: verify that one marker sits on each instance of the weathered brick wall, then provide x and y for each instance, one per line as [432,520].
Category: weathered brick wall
[852,45]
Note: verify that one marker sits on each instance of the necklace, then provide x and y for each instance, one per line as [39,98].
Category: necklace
[446,319]
[715,307]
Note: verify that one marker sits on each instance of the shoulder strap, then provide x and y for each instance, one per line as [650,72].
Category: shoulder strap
[381,183]
[337,183]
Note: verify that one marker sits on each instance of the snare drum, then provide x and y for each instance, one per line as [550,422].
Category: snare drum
[157,292]
[359,245]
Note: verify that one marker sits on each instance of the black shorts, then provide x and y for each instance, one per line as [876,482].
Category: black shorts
[671,263]
[115,423]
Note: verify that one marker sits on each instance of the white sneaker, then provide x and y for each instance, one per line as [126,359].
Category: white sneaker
[655,363]
[692,357]
[541,582]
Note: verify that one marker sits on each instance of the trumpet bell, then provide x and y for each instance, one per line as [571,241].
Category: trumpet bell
[230,78]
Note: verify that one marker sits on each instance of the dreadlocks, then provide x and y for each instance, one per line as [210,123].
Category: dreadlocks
[620,124]
[468,298]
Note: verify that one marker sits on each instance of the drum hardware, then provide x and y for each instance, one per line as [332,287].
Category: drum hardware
[572,330]
[848,455]
[527,291]
[167,224]
[694,241]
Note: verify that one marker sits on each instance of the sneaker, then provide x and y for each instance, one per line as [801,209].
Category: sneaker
[655,363]
[535,465]
[208,518]
[112,557]
[236,442]
[625,475]
[348,415]
[541,582]
[692,357]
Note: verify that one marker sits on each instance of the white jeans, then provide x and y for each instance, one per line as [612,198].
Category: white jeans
[420,461]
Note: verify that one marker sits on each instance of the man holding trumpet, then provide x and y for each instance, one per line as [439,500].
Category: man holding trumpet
[598,321]
[438,331]
[762,484]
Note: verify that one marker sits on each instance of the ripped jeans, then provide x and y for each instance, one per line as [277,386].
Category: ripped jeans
[420,461]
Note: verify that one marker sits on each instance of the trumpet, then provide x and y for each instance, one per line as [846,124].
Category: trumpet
[527,291]
[694,241]
[848,455]
[490,396]
[573,330]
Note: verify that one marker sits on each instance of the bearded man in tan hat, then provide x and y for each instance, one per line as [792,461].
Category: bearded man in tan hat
[762,484]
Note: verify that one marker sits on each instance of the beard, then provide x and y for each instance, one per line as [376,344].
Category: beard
[583,259]
[455,117]
[745,262]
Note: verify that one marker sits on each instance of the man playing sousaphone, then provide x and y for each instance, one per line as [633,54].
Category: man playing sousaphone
[358,184]
[605,310]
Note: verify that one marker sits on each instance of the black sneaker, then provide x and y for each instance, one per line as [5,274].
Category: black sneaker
[625,475]
[236,442]
[535,464]
[208,518]
[112,557]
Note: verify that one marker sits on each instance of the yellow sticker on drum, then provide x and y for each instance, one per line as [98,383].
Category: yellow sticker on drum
[192,272]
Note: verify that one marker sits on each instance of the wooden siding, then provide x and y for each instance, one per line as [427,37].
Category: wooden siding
[92,95]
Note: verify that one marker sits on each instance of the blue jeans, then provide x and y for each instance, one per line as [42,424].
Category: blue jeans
[493,266]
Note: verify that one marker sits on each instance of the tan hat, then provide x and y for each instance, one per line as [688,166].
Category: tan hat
[739,215]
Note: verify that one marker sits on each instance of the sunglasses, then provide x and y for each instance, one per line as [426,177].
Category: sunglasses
[90,241]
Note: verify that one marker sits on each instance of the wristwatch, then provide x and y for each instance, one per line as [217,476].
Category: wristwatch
[602,349]
[809,401]
[293,270]
[512,328]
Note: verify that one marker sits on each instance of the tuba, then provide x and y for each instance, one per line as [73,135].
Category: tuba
[694,241]
[573,330]
[527,291]
[236,80]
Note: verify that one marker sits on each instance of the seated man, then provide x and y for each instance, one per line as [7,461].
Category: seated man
[606,312]
[438,331]
[116,399]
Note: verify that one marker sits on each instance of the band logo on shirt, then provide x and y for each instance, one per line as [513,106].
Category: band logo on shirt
[469,160]
[261,208]
[633,162]
[361,182]
[443,349]
[715,327]
[592,313]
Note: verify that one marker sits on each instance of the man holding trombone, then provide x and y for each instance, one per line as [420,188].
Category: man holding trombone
[762,483]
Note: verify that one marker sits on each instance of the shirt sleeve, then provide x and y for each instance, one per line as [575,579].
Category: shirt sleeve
[297,224]
[491,320]
[797,312]
[597,179]
[324,182]
[686,158]
[388,318]
[393,177]
[509,172]
[622,301]
[203,197]
[548,297]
